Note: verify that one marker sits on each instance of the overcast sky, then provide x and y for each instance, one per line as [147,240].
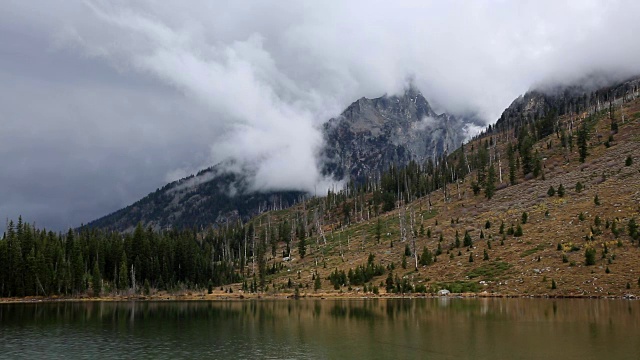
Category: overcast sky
[102,102]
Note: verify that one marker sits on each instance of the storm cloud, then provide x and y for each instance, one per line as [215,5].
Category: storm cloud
[104,101]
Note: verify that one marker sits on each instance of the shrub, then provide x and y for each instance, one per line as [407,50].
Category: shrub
[628,161]
[590,256]
[518,231]
[475,187]
[579,186]
[470,257]
[551,191]
[581,217]
[525,216]
[553,284]
[561,190]
[633,229]
[596,200]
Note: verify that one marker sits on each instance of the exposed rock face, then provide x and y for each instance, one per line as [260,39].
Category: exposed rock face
[371,134]
[588,94]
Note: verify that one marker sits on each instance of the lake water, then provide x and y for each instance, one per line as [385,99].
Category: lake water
[324,329]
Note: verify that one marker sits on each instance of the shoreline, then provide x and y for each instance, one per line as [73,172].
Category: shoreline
[303,296]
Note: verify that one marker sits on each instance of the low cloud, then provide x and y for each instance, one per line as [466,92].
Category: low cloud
[105,101]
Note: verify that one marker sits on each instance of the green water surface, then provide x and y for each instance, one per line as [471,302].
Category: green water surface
[323,329]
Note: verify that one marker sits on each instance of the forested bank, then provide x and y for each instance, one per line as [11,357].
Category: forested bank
[40,262]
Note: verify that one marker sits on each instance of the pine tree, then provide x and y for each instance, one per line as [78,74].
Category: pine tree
[302,244]
[518,231]
[512,164]
[123,273]
[468,242]
[590,256]
[427,257]
[551,191]
[490,188]
[96,280]
[582,142]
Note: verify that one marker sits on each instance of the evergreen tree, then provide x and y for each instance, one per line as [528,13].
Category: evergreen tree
[96,280]
[427,257]
[512,164]
[590,256]
[302,245]
[468,242]
[490,188]
[123,273]
[582,142]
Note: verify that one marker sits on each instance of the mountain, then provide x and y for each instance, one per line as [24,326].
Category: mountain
[592,93]
[372,134]
[569,231]
[217,195]
[364,140]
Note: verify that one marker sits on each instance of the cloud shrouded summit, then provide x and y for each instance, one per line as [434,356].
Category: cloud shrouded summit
[103,102]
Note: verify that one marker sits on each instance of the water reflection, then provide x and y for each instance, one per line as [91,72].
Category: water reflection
[378,328]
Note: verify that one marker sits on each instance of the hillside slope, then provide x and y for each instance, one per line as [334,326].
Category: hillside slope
[213,196]
[370,135]
[551,256]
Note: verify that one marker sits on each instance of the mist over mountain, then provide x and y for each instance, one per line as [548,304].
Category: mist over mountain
[368,137]
[103,101]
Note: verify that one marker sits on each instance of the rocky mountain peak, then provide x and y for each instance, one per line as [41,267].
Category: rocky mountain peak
[372,134]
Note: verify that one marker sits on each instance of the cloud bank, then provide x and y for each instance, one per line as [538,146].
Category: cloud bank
[104,101]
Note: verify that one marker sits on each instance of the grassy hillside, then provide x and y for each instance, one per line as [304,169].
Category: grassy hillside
[555,238]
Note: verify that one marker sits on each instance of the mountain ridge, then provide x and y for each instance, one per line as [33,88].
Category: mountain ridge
[353,150]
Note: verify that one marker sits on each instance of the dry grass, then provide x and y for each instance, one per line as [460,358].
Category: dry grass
[532,259]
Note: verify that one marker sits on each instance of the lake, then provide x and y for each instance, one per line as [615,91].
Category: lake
[324,329]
